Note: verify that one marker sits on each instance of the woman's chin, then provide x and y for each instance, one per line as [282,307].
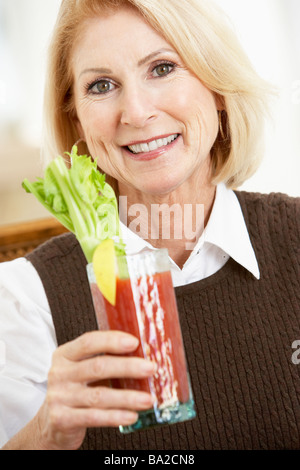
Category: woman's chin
[161,186]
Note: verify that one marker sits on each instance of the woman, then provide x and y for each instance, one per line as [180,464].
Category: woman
[162,93]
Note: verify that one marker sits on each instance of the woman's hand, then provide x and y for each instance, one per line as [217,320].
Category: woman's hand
[71,405]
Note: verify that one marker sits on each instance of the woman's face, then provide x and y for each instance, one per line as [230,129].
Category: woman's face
[150,122]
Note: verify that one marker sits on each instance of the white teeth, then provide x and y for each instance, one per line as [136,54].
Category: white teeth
[153,145]
[144,147]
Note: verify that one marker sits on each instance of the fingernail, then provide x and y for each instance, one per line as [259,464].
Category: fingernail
[149,367]
[129,417]
[129,342]
[145,400]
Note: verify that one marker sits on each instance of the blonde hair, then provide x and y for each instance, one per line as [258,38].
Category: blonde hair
[203,37]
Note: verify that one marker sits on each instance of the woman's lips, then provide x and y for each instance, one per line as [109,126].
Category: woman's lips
[153,148]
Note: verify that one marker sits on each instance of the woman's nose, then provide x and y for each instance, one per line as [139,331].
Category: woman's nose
[137,108]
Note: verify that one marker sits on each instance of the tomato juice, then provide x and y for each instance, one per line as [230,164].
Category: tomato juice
[146,308]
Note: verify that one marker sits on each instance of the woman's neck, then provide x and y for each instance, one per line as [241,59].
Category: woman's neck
[174,221]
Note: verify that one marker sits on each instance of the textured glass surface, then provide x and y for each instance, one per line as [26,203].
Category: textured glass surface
[146,307]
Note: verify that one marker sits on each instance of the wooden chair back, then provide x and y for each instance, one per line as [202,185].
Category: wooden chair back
[17,240]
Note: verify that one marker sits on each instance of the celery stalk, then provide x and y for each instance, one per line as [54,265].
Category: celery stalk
[81,200]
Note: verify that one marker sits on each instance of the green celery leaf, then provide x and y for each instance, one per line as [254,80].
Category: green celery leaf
[80,199]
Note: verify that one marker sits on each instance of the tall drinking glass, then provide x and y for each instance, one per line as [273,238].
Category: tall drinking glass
[146,308]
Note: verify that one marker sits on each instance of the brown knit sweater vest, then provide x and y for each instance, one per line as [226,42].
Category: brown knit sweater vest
[238,333]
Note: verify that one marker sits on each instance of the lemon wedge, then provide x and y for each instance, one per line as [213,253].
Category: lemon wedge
[104,264]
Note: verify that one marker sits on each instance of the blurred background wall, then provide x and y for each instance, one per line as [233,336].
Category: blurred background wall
[25,27]
[268,29]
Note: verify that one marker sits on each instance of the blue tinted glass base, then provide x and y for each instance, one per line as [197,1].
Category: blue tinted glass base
[159,417]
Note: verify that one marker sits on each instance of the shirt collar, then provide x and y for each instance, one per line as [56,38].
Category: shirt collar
[134,243]
[226,229]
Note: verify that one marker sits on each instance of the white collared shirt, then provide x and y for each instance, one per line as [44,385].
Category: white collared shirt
[27,335]
[225,236]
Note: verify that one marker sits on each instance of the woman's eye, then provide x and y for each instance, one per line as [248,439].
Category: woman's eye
[101,87]
[162,69]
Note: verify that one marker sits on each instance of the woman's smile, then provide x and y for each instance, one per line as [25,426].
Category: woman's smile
[152,148]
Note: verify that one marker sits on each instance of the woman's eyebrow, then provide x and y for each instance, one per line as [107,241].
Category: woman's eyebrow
[95,70]
[154,54]
[141,62]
